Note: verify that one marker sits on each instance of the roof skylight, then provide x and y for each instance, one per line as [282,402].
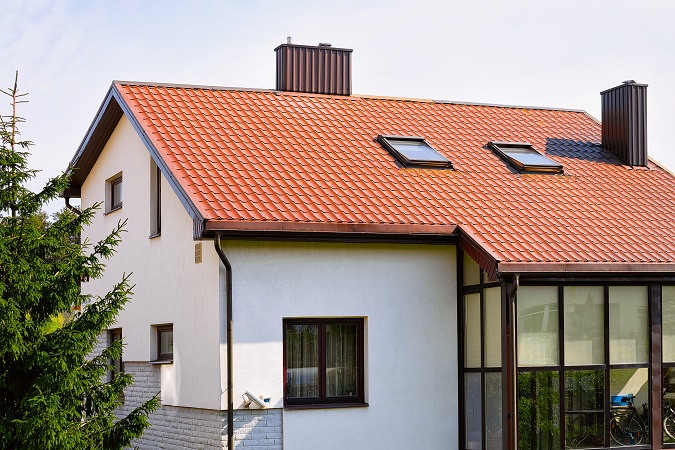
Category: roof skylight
[524,158]
[413,151]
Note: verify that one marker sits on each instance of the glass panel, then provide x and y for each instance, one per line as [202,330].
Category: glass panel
[668,315]
[584,409]
[472,413]
[471,271]
[493,411]
[538,411]
[628,325]
[302,361]
[537,332]
[584,325]
[341,357]
[472,330]
[416,150]
[629,390]
[493,327]
[165,342]
[528,156]
[116,192]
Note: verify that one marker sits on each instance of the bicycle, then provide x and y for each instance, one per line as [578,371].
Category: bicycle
[668,420]
[627,426]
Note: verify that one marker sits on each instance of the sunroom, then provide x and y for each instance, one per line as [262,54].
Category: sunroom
[566,360]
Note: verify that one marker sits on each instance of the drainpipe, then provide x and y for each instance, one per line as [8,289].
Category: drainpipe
[228,294]
[71,207]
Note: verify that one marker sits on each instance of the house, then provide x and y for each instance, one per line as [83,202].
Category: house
[316,269]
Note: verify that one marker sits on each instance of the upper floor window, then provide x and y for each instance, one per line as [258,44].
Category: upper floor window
[165,342]
[155,200]
[323,361]
[524,158]
[113,189]
[413,151]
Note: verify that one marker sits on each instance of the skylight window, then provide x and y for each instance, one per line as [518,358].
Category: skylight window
[413,151]
[524,158]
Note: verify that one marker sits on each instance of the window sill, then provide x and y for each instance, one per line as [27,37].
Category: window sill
[116,208]
[156,235]
[326,406]
[159,362]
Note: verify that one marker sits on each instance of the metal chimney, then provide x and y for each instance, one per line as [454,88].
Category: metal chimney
[624,122]
[318,70]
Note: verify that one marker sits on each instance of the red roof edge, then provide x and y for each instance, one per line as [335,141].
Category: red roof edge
[585,267]
[485,260]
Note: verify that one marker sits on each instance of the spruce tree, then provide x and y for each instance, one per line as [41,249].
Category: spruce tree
[54,394]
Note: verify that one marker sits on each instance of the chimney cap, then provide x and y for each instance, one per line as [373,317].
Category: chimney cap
[629,82]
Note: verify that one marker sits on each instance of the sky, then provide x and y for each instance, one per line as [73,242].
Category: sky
[516,52]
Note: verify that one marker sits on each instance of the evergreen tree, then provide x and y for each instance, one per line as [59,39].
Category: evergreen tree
[53,392]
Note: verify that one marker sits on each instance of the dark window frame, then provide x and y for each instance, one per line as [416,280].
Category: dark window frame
[116,365]
[323,400]
[114,203]
[500,148]
[156,201]
[166,356]
[387,142]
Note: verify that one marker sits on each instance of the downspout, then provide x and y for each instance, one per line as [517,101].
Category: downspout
[228,294]
[71,207]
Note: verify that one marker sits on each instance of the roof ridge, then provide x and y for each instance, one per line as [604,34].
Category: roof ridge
[345,97]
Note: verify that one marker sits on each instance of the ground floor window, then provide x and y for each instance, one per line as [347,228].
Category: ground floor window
[323,361]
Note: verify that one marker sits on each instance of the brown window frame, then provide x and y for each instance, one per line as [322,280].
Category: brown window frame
[113,204]
[115,334]
[163,329]
[323,400]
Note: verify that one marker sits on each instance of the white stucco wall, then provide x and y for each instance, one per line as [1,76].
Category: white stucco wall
[169,286]
[407,293]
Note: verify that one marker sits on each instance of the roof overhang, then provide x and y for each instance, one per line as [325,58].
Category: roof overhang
[326,231]
[591,268]
[108,116]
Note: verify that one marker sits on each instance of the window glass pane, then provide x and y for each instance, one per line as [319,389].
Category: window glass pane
[471,271]
[628,325]
[629,390]
[302,361]
[341,360]
[584,409]
[472,413]
[668,315]
[166,342]
[416,151]
[472,330]
[116,192]
[584,325]
[493,410]
[537,325]
[538,411]
[493,327]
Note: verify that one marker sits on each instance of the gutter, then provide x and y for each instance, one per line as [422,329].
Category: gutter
[230,376]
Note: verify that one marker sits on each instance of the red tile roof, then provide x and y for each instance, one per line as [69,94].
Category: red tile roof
[269,160]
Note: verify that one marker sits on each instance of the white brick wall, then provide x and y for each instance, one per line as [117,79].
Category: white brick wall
[178,428]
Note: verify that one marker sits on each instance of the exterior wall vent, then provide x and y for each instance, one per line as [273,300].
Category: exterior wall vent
[624,122]
[317,70]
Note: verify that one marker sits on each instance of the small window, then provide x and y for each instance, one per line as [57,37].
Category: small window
[116,364]
[524,158]
[165,342]
[323,362]
[413,151]
[113,193]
